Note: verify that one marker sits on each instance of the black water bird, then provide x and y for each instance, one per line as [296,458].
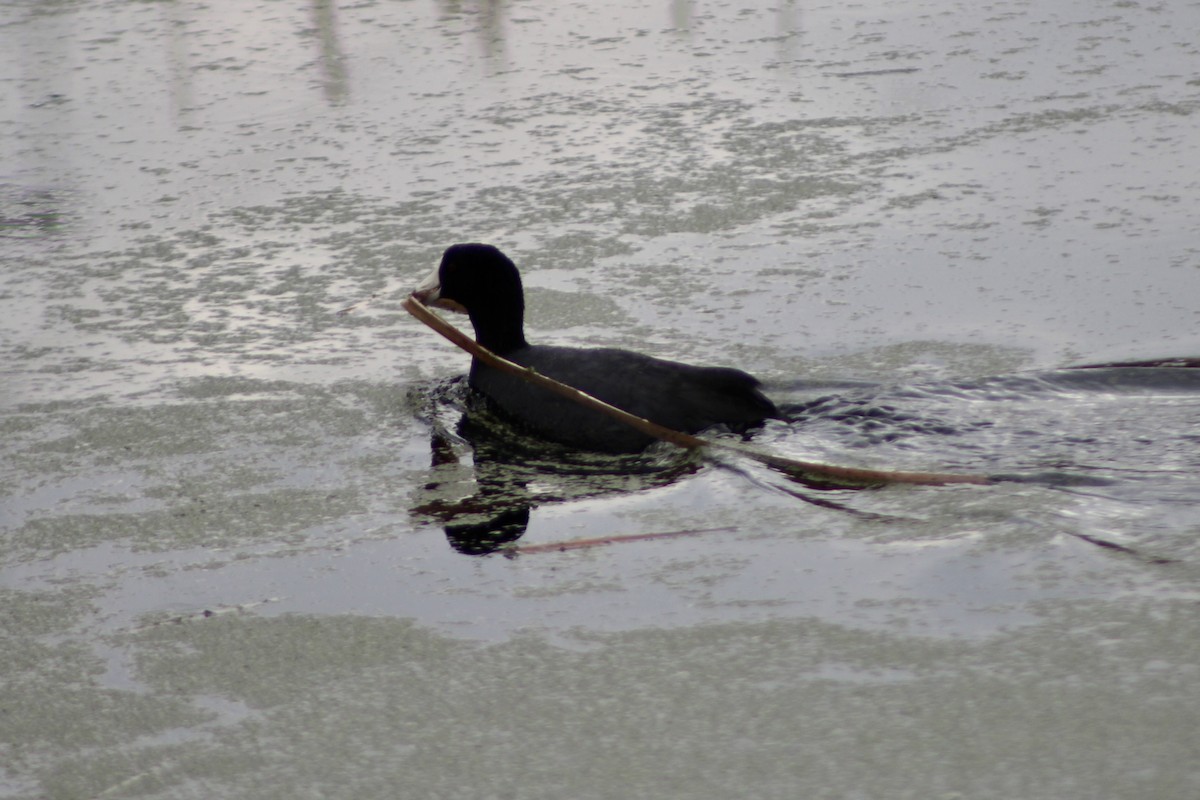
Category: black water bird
[483,282]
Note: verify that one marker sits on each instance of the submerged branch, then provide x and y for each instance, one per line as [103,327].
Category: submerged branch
[600,541]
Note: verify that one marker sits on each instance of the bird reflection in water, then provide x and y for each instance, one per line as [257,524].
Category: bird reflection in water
[488,475]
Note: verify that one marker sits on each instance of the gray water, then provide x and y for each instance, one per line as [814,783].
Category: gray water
[232,549]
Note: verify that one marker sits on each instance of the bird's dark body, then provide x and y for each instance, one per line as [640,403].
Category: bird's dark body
[685,397]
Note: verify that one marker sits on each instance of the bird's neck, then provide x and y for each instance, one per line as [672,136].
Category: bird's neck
[498,333]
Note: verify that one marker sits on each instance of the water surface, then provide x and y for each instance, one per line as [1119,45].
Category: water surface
[240,550]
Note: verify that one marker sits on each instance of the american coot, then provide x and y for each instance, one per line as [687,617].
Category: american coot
[483,282]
